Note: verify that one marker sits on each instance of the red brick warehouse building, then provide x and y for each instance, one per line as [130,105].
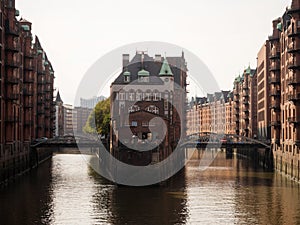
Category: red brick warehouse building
[148,108]
[26,91]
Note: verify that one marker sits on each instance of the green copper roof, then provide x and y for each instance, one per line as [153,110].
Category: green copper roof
[126,73]
[279,26]
[17,12]
[238,79]
[26,27]
[165,69]
[143,73]
[248,70]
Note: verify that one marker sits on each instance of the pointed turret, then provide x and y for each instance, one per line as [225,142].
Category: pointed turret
[165,69]
[58,98]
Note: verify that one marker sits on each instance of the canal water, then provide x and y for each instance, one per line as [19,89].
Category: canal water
[233,190]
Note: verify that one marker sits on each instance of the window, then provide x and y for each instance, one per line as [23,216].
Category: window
[133,108]
[145,124]
[143,79]
[134,123]
[152,109]
[156,95]
[147,96]
[126,78]
[166,104]
[139,95]
[122,95]
[131,96]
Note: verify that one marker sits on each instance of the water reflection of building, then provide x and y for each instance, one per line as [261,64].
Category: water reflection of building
[148,100]
[149,205]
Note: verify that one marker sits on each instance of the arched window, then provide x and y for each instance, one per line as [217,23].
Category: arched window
[147,95]
[139,95]
[122,95]
[153,109]
[131,95]
[156,95]
[133,108]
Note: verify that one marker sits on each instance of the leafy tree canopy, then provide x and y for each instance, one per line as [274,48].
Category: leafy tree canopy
[99,119]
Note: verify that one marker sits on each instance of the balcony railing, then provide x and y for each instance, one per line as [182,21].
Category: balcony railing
[293,80]
[28,92]
[11,119]
[28,122]
[28,80]
[275,123]
[12,80]
[245,94]
[275,105]
[294,33]
[40,112]
[292,49]
[275,55]
[236,99]
[14,30]
[245,102]
[274,80]
[275,93]
[292,120]
[293,10]
[12,96]
[273,38]
[41,82]
[245,87]
[28,105]
[41,72]
[12,63]
[15,47]
[293,65]
[29,68]
[275,67]
[29,54]
[295,97]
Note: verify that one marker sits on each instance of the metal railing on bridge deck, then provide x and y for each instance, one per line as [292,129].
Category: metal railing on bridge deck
[203,139]
[68,140]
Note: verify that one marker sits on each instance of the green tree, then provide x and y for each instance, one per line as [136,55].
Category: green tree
[99,119]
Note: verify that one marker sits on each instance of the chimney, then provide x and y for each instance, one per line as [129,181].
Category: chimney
[125,60]
[157,58]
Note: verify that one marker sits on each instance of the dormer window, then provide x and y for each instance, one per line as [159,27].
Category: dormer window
[126,75]
[126,79]
[143,76]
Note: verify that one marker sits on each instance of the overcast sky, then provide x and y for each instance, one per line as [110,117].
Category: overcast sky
[225,35]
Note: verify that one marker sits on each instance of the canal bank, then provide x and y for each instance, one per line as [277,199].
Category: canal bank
[17,159]
[287,163]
